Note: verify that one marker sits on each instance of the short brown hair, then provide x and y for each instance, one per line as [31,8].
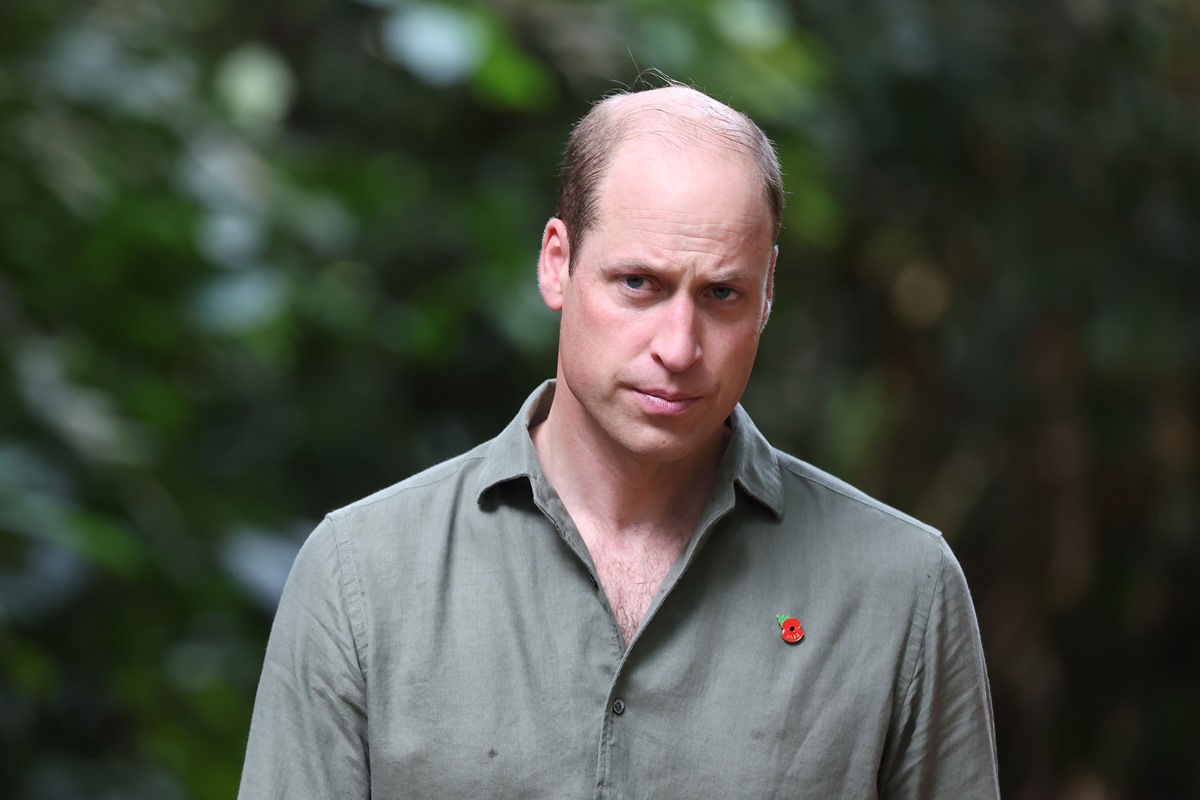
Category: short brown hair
[596,137]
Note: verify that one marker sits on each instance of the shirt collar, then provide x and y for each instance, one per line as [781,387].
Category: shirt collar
[511,455]
[749,461]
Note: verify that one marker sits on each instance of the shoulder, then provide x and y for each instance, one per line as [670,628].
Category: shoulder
[836,496]
[442,482]
[845,521]
[402,521]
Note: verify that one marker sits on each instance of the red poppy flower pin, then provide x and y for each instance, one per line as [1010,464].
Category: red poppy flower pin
[792,632]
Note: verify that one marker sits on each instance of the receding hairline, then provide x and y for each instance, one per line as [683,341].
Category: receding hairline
[679,101]
[685,119]
[676,111]
[676,117]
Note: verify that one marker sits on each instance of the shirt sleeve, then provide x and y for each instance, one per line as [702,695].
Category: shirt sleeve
[308,732]
[943,743]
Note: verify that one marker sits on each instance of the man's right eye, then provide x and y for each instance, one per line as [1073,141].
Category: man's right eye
[635,281]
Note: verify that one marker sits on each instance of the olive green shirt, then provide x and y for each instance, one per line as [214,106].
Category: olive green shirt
[446,638]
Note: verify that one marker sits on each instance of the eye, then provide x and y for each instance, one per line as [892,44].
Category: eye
[723,293]
[635,281]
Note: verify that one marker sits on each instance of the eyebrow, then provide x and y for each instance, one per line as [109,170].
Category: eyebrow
[731,276]
[626,265]
[629,266]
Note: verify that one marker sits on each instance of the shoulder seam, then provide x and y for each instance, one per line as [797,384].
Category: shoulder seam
[882,508]
[403,486]
[352,594]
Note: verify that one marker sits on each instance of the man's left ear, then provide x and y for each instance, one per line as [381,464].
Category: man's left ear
[770,296]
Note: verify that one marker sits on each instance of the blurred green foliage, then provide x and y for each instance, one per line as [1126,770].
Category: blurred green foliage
[257,260]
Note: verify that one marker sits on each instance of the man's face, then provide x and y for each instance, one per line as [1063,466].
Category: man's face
[670,291]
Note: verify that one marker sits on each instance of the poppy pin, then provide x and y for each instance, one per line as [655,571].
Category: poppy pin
[792,632]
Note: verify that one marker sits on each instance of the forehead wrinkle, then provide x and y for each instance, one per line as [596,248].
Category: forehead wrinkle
[638,209]
[688,226]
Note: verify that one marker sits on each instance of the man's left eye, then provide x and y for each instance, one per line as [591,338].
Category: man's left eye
[722,293]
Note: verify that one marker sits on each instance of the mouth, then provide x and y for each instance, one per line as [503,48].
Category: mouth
[666,403]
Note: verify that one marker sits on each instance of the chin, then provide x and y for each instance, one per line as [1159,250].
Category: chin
[656,447]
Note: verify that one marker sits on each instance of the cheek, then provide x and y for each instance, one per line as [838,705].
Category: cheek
[599,329]
[736,352]
[589,344]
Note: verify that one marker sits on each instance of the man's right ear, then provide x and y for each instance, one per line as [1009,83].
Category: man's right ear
[554,263]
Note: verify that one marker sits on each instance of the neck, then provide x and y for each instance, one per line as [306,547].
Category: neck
[605,483]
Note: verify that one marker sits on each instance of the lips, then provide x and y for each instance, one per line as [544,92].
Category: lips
[664,402]
[668,395]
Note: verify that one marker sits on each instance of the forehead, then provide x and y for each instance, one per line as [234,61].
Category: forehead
[667,183]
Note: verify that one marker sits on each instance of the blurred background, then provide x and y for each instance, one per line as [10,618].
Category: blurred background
[258,260]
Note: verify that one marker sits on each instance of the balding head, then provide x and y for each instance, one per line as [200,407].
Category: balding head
[679,116]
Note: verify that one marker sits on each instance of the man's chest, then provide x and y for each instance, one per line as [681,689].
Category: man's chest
[507,677]
[631,569]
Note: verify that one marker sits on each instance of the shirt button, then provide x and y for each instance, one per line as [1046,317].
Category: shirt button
[618,707]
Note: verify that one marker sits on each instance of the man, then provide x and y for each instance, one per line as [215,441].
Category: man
[629,593]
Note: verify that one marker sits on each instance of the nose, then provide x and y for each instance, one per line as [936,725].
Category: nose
[676,343]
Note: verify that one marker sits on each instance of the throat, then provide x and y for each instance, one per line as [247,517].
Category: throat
[635,516]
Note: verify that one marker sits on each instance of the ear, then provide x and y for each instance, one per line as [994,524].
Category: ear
[554,263]
[770,295]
